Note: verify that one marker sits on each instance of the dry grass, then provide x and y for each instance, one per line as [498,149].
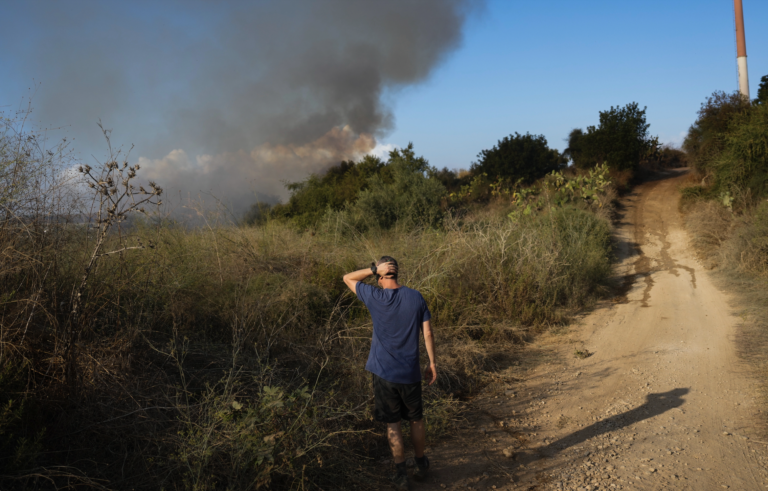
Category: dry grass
[231,358]
[709,226]
[183,343]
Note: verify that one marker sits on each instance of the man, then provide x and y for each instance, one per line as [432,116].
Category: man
[399,314]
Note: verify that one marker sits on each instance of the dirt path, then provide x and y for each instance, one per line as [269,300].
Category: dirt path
[661,402]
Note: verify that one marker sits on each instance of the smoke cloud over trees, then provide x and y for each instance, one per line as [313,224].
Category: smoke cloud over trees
[232,98]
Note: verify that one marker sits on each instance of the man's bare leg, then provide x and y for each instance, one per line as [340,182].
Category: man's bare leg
[396,443]
[418,437]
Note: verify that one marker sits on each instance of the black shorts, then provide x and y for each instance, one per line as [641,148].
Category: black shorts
[393,402]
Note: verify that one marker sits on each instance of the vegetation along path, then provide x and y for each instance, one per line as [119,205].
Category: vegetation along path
[645,392]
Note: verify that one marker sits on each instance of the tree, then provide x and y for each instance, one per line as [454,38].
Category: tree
[705,139]
[405,195]
[575,144]
[762,91]
[620,140]
[526,157]
[743,161]
[450,179]
[334,189]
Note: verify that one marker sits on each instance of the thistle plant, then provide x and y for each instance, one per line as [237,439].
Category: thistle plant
[117,198]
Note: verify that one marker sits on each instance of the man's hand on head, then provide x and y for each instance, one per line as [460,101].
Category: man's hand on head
[385,269]
[353,278]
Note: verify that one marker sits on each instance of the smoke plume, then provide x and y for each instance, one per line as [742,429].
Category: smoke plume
[230,97]
[259,171]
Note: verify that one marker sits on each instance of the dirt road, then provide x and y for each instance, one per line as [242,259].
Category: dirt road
[659,401]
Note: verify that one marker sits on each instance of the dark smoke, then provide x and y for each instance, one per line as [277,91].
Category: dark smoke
[215,86]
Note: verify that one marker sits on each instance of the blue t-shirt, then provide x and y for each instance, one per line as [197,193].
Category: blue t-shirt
[397,318]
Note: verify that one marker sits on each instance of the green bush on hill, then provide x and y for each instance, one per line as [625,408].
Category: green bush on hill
[406,190]
[451,180]
[621,140]
[743,162]
[706,137]
[762,91]
[519,157]
[334,189]
[728,147]
[408,195]
[377,194]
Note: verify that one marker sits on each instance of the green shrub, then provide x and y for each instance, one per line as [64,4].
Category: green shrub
[519,157]
[743,162]
[586,242]
[411,199]
[591,187]
[479,188]
[706,136]
[762,91]
[531,270]
[620,139]
[239,443]
[405,190]
[335,189]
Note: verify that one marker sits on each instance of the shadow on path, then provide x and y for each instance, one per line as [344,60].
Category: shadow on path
[655,404]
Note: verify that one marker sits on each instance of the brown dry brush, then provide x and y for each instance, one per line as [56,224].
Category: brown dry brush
[138,354]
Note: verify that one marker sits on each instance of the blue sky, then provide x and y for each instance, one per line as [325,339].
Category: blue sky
[549,66]
[162,75]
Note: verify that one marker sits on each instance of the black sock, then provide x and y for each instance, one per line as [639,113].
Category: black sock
[401,468]
[421,461]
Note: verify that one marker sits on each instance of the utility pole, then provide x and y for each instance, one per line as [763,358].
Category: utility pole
[741,49]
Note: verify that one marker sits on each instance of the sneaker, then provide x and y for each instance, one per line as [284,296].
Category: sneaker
[421,471]
[400,481]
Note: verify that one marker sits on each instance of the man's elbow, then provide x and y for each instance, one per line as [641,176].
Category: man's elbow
[428,332]
[349,282]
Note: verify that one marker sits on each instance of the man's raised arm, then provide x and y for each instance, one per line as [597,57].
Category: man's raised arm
[353,278]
